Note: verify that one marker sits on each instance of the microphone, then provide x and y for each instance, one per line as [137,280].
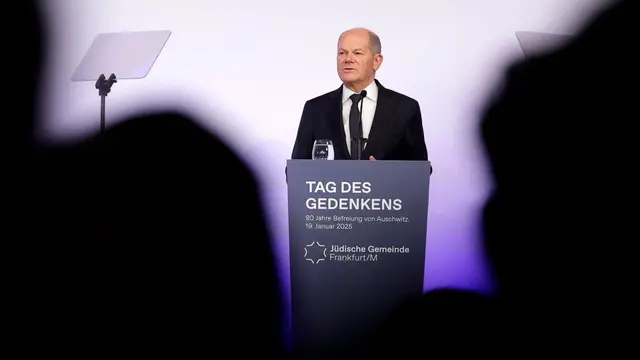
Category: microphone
[360,139]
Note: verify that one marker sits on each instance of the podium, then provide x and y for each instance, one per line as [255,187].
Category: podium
[357,238]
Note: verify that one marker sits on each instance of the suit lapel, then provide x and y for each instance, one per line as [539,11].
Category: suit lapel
[336,124]
[382,120]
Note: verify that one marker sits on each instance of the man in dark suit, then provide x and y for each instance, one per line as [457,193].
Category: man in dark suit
[391,122]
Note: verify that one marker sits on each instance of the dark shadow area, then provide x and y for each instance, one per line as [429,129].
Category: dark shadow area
[444,322]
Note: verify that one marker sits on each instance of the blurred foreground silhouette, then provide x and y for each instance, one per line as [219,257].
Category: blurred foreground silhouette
[147,240]
[559,142]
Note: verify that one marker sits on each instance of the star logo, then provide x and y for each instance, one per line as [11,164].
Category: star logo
[315,252]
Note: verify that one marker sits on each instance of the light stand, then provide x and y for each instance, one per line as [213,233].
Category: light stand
[104,88]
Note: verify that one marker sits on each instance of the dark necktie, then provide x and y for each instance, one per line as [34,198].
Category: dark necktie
[355,127]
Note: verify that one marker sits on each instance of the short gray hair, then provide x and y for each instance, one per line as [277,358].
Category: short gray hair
[375,46]
[374,43]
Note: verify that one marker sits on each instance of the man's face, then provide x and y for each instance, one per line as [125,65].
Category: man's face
[356,63]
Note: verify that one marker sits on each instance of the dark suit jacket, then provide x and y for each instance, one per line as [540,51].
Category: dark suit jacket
[396,132]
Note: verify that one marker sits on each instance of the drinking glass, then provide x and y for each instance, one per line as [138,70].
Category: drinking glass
[322,150]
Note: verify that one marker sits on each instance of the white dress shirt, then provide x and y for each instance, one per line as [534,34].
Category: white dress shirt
[369,105]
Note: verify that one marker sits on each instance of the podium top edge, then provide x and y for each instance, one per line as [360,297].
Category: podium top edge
[362,161]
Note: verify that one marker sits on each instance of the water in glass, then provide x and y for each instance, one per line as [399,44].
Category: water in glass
[323,150]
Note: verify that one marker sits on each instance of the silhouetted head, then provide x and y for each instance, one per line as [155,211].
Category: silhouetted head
[560,144]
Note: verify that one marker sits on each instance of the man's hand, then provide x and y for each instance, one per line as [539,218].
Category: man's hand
[371,158]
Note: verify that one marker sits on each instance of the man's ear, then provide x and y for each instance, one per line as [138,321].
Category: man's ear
[377,61]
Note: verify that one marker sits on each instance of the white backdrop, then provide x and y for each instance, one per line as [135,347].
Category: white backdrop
[247,67]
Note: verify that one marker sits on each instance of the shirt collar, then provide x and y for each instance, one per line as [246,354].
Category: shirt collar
[372,92]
